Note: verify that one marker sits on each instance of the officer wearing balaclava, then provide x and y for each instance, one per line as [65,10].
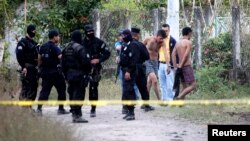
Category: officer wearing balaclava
[99,53]
[26,54]
[76,68]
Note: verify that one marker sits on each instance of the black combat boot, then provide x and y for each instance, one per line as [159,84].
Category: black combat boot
[77,116]
[131,116]
[148,108]
[93,111]
[39,110]
[79,119]
[62,111]
[124,109]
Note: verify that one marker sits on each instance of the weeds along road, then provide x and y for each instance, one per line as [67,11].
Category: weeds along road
[158,125]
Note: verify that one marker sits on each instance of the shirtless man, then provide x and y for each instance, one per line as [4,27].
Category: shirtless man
[183,49]
[153,45]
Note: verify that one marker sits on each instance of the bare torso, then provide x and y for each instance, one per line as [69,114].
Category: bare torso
[181,48]
[153,47]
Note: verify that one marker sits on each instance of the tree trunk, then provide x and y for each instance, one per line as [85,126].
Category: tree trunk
[156,20]
[208,14]
[197,37]
[236,39]
[127,20]
[173,18]
[97,23]
[1,51]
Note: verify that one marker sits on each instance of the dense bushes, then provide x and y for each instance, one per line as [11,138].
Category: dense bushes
[219,51]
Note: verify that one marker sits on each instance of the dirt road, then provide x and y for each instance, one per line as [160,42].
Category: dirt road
[152,126]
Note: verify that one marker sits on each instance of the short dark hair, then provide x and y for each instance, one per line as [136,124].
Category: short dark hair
[186,31]
[165,25]
[53,33]
[161,33]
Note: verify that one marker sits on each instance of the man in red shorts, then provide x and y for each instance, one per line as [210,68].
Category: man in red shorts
[184,68]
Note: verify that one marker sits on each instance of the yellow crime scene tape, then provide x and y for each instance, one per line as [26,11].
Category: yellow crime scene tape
[122,102]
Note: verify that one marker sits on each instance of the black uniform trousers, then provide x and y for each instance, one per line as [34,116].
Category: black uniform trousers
[48,82]
[141,81]
[93,87]
[29,84]
[76,90]
[128,91]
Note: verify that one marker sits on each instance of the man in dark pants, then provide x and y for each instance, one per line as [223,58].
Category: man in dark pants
[99,53]
[76,67]
[26,54]
[49,64]
[129,58]
[141,79]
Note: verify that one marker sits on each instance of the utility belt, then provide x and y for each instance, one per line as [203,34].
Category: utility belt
[29,65]
[77,71]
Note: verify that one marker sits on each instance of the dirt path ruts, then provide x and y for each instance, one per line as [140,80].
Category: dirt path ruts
[151,126]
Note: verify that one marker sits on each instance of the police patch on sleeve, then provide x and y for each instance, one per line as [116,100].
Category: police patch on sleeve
[103,45]
[130,54]
[19,47]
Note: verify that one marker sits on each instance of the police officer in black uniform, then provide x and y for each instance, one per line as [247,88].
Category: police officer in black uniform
[50,71]
[76,68]
[99,53]
[141,79]
[129,58]
[26,54]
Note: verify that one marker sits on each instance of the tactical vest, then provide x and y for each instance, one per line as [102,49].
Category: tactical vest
[70,57]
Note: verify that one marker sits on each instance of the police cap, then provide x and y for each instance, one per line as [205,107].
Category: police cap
[88,28]
[135,30]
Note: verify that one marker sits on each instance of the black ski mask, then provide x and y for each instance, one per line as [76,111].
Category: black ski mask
[76,36]
[89,31]
[127,37]
[30,30]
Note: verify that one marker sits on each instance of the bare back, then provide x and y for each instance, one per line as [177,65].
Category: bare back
[183,48]
[153,47]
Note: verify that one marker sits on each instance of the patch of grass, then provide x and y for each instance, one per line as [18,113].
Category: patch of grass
[224,114]
[20,123]
[239,92]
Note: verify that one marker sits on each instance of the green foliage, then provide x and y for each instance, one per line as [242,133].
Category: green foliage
[218,51]
[65,16]
[114,5]
[245,50]
[7,11]
[209,80]
[151,4]
[6,53]
[132,5]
